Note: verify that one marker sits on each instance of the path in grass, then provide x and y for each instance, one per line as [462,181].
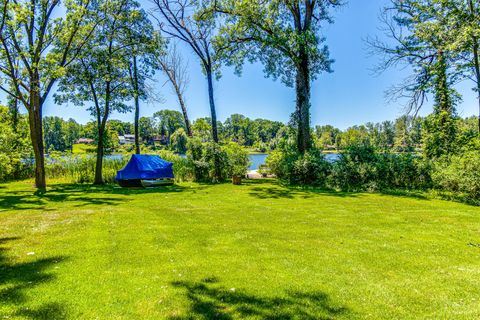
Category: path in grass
[258,251]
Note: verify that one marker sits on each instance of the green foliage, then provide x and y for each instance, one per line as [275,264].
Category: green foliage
[178,141]
[460,174]
[168,121]
[81,168]
[440,135]
[361,168]
[232,160]
[15,150]
[309,168]
[238,161]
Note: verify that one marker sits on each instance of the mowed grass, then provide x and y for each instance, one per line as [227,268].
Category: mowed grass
[256,251]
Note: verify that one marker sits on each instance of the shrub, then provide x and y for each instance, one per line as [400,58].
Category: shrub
[361,168]
[460,173]
[238,160]
[178,141]
[310,168]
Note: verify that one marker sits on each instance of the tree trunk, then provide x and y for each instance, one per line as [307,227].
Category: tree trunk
[212,104]
[36,132]
[188,126]
[137,105]
[99,163]
[476,61]
[303,105]
[218,171]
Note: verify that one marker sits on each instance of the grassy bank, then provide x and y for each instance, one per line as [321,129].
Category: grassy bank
[257,251]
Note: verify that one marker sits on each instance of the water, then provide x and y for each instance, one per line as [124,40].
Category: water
[259,158]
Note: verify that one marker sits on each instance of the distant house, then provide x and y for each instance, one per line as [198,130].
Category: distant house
[126,139]
[85,141]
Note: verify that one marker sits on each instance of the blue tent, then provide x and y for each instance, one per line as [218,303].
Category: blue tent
[145,167]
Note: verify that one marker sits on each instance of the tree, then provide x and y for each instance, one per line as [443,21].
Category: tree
[177,21]
[176,71]
[15,146]
[168,121]
[35,48]
[145,45]
[101,74]
[178,141]
[54,134]
[419,41]
[285,37]
[146,129]
[463,17]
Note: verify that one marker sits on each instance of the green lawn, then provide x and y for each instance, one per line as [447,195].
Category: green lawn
[256,251]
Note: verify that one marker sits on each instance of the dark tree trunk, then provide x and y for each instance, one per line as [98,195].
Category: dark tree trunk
[212,104]
[188,126]
[36,132]
[476,61]
[302,113]
[99,164]
[137,106]
[218,171]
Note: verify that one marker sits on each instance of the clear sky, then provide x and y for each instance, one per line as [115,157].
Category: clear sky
[350,95]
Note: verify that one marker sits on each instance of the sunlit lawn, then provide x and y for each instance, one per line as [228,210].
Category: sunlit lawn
[258,251]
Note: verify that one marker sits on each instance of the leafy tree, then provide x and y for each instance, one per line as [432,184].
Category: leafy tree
[122,128]
[71,131]
[36,45]
[146,129]
[168,121]
[178,141]
[285,37]
[15,146]
[201,128]
[101,74]
[54,134]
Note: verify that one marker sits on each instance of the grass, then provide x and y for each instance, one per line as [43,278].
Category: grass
[83,148]
[256,251]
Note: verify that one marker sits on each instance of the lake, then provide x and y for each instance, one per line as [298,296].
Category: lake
[258,159]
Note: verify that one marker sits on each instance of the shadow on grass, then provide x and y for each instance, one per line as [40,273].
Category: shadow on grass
[276,190]
[81,194]
[209,300]
[16,278]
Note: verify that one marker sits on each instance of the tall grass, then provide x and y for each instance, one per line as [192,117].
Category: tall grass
[81,168]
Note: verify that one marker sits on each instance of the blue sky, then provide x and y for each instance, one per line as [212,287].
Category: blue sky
[350,95]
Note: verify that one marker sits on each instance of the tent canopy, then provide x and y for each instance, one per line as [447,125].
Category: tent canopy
[144,167]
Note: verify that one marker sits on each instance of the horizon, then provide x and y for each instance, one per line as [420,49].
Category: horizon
[351,95]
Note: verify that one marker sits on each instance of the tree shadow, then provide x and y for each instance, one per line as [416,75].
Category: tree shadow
[280,191]
[16,278]
[210,300]
[82,194]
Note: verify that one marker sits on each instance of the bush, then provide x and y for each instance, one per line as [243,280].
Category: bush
[232,159]
[238,161]
[460,173]
[361,168]
[310,168]
[178,141]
